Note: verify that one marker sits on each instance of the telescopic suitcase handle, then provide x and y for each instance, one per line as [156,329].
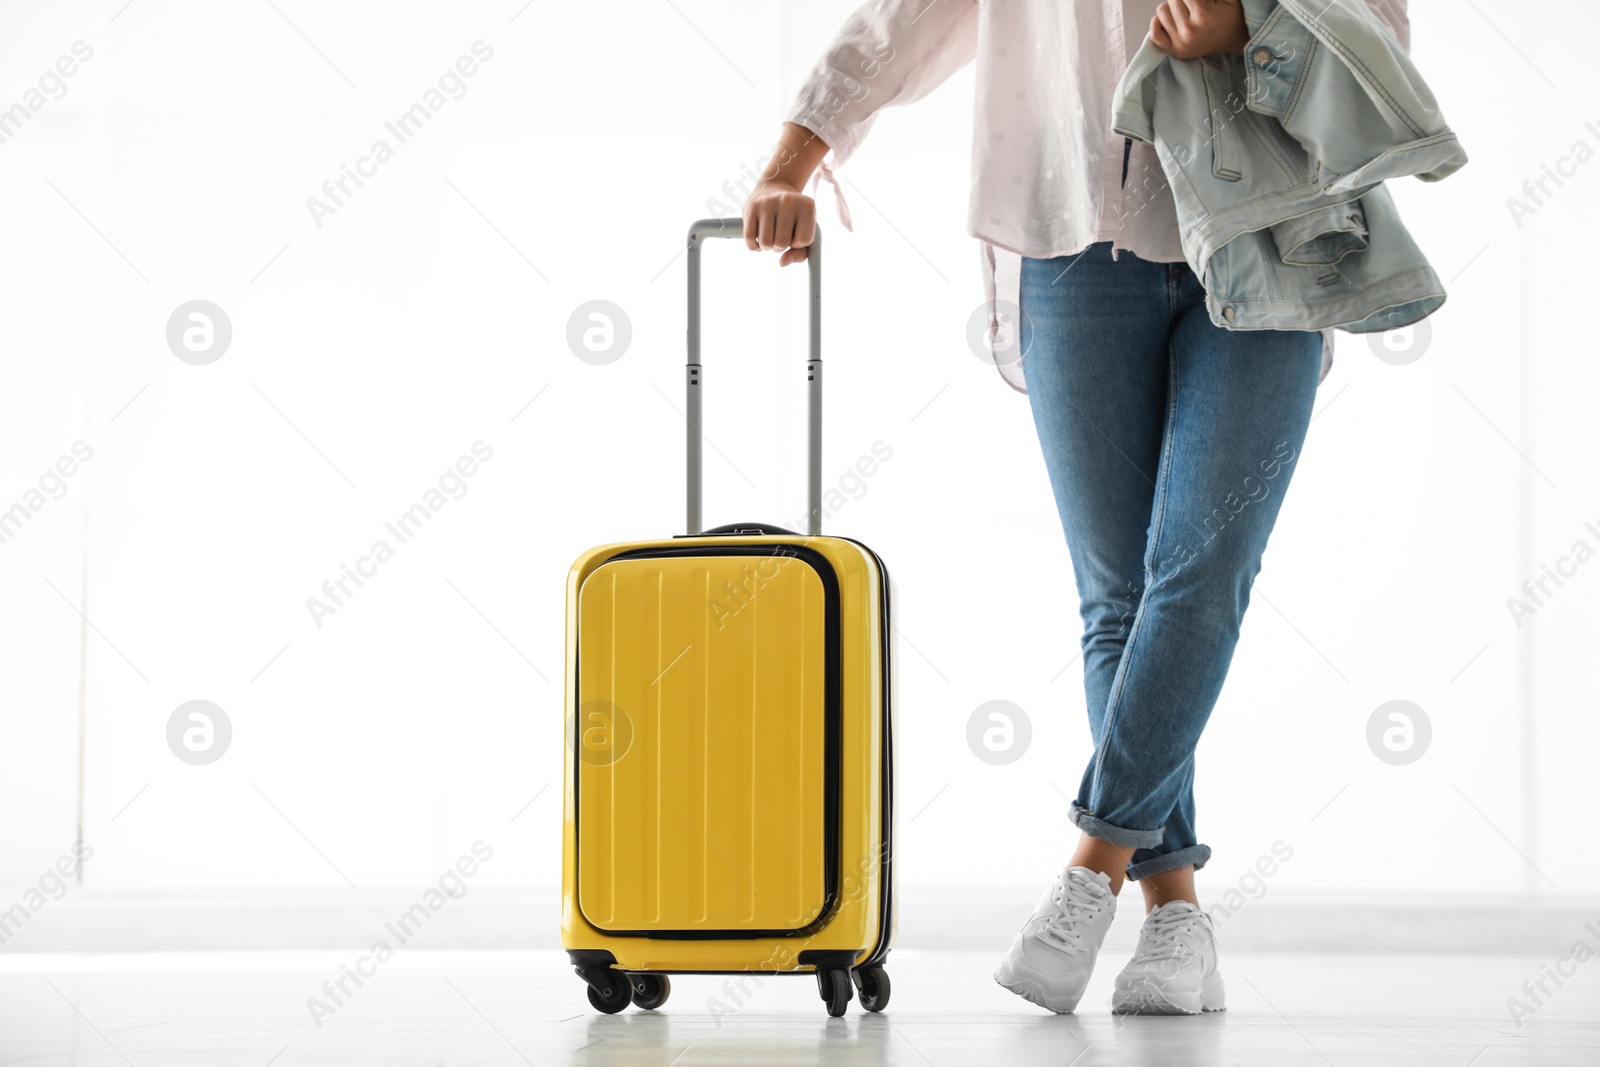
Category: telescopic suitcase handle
[735,228]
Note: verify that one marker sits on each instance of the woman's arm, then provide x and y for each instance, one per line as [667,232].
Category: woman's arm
[776,213]
[887,52]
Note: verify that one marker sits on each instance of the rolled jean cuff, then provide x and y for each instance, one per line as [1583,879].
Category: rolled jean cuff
[1170,861]
[1117,835]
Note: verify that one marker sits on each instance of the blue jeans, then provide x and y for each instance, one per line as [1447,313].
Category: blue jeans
[1169,443]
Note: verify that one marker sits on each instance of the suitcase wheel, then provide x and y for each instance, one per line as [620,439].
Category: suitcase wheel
[834,986]
[873,982]
[650,991]
[609,990]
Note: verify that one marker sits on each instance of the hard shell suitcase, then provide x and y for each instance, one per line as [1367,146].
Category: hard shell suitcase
[728,779]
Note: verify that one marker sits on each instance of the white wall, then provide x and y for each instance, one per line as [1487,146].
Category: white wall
[430,313]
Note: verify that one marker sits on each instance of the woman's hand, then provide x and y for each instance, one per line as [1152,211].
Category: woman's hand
[780,217]
[1189,29]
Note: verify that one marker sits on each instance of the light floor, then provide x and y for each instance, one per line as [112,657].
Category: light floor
[250,1009]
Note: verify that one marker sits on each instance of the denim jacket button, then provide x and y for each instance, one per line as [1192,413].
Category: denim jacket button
[1262,57]
[1227,313]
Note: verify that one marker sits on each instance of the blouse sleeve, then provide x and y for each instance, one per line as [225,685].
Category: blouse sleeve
[887,52]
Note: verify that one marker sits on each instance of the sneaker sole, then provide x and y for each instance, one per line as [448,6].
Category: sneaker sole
[1148,999]
[1032,992]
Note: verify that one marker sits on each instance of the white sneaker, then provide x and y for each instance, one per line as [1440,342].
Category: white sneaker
[1050,960]
[1174,969]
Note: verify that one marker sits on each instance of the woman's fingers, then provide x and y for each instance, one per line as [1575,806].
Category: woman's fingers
[1188,29]
[805,232]
[1183,20]
[758,226]
[783,228]
[1196,10]
[1158,34]
[753,214]
[780,218]
[1169,30]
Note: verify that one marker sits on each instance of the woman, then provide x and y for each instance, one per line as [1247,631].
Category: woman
[1169,441]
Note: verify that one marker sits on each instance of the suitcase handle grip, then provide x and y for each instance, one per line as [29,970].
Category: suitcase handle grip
[741,529]
[734,227]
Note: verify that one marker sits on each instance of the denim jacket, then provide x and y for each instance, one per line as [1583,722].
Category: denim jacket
[1277,156]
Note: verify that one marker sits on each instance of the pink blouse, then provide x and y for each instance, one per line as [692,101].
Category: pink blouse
[1046,168]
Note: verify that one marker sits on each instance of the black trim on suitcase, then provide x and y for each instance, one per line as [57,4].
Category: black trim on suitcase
[832,728]
[886,882]
[742,529]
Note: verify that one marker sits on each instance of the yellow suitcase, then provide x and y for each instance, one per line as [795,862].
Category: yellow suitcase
[728,778]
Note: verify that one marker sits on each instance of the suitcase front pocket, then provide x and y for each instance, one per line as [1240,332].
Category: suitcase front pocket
[707,742]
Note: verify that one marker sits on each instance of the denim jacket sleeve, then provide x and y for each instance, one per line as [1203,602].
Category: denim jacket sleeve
[1364,114]
[1393,14]
[887,52]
